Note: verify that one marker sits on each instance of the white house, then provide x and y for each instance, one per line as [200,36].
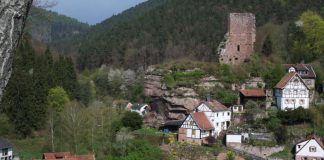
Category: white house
[196,128]
[217,113]
[312,149]
[141,109]
[5,150]
[291,92]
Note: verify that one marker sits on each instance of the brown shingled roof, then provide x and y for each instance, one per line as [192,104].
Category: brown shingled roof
[215,106]
[253,92]
[202,121]
[303,67]
[283,82]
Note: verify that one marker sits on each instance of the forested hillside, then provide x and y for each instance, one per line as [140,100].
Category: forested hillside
[172,29]
[47,26]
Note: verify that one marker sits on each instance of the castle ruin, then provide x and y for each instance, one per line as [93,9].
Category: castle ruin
[239,41]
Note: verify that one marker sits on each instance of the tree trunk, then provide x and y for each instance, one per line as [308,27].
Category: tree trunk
[13,14]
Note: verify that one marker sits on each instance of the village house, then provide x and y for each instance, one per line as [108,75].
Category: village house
[196,128]
[217,113]
[6,152]
[257,94]
[311,149]
[291,92]
[209,118]
[66,156]
[141,109]
[305,71]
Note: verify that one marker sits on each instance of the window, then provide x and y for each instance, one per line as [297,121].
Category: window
[238,47]
[5,152]
[217,114]
[286,101]
[299,146]
[228,113]
[295,92]
[217,124]
[301,101]
[193,132]
[312,149]
[223,113]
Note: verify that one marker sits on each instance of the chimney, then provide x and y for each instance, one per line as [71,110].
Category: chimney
[208,98]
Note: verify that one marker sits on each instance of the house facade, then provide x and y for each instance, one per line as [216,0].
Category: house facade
[217,113]
[291,92]
[311,149]
[6,152]
[196,128]
[209,118]
[305,71]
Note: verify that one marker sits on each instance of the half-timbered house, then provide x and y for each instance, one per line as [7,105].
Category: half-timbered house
[217,113]
[291,92]
[196,128]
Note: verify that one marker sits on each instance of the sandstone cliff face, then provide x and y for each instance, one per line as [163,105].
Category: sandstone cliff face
[170,106]
[13,15]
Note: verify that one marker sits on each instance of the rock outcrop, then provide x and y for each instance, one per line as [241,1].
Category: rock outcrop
[13,15]
[168,107]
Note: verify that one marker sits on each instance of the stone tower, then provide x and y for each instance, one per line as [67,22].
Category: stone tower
[239,40]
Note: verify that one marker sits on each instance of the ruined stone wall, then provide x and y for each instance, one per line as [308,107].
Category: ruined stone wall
[240,39]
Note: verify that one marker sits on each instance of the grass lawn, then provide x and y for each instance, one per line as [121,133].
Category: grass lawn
[28,149]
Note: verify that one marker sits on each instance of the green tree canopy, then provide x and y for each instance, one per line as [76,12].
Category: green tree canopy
[132,120]
[57,98]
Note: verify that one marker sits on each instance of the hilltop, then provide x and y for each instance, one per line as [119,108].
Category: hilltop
[155,31]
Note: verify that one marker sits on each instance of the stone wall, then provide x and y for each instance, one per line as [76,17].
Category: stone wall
[239,41]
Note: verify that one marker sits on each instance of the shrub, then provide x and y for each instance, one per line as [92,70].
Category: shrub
[132,120]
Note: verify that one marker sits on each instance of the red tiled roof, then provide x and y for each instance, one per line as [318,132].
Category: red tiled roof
[66,156]
[202,121]
[215,106]
[253,92]
[283,82]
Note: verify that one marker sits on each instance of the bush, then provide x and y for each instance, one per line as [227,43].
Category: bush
[297,116]
[230,155]
[132,120]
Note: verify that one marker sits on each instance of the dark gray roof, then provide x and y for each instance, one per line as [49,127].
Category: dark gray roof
[4,143]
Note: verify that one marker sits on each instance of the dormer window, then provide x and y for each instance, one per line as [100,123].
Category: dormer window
[292,69]
[312,149]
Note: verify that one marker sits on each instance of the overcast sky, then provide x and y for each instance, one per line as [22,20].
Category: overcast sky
[93,11]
